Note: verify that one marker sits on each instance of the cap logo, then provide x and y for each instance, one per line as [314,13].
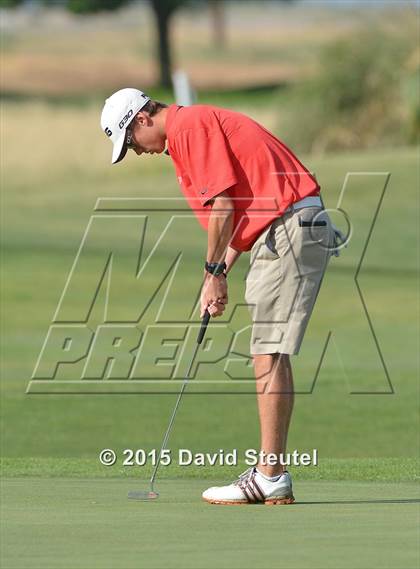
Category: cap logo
[125,118]
[108,131]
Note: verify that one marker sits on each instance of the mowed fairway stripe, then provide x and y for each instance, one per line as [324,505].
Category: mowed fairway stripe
[68,523]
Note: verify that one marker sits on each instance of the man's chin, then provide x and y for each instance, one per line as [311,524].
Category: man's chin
[154,151]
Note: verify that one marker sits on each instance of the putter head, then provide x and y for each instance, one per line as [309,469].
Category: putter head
[143,496]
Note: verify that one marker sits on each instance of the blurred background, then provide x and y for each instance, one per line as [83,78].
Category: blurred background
[337,81]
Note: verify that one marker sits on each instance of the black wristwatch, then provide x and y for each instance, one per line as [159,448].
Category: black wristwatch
[215,269]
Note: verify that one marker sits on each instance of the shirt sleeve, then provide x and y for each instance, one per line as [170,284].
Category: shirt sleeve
[207,160]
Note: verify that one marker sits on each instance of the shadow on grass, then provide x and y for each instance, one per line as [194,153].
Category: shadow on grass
[396,501]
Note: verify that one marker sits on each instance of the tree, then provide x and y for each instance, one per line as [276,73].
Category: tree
[9,3]
[90,6]
[163,10]
[218,22]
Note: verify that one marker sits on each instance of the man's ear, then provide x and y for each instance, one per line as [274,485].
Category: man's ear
[142,118]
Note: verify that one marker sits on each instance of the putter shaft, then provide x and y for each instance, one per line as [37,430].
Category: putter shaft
[200,337]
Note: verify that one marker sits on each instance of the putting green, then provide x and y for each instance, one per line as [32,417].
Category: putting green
[79,523]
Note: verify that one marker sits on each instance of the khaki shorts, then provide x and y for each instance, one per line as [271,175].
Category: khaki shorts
[287,265]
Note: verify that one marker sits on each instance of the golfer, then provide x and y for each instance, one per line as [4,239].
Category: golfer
[251,193]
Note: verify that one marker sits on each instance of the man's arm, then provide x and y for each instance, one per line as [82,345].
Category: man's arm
[220,227]
[231,257]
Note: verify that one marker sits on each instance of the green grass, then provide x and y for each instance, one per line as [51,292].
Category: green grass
[78,523]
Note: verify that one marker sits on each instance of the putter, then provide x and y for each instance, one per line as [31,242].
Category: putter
[152,494]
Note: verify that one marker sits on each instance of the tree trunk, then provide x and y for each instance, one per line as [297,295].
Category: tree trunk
[163,47]
[218,18]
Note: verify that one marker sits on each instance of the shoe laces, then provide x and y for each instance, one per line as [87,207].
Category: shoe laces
[244,476]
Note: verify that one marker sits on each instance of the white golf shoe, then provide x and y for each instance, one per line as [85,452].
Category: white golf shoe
[251,488]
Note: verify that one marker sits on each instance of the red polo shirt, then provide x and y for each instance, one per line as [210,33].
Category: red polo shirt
[215,149]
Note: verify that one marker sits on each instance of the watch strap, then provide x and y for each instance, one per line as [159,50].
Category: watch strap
[215,269]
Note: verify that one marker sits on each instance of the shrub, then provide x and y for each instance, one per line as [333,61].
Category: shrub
[364,95]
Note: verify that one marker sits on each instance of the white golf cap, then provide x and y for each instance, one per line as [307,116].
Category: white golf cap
[118,112]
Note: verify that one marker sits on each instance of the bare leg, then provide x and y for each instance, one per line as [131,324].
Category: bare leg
[275,405]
